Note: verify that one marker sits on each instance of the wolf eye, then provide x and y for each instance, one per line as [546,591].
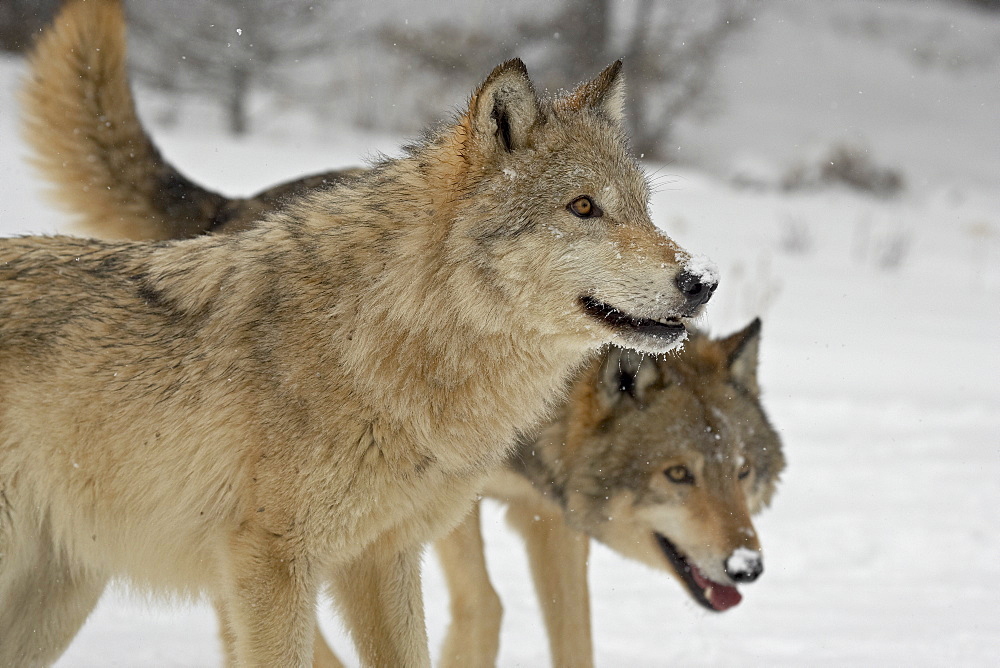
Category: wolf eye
[679,474]
[743,472]
[584,207]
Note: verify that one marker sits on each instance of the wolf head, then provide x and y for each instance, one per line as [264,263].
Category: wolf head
[665,461]
[554,209]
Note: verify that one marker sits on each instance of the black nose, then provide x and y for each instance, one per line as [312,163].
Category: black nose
[745,569]
[695,288]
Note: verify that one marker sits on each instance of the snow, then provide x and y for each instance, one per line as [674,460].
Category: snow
[702,266]
[879,358]
[742,560]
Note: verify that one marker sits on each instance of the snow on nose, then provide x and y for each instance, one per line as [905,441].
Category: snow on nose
[744,565]
[699,266]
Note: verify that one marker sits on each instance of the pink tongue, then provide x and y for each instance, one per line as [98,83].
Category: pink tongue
[723,596]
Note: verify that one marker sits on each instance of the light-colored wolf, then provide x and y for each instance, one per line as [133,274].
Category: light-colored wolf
[675,452]
[307,402]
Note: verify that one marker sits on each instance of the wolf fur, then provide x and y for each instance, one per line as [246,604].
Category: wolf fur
[307,402]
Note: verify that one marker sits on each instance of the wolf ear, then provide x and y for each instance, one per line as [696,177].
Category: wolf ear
[624,373]
[605,93]
[741,351]
[505,106]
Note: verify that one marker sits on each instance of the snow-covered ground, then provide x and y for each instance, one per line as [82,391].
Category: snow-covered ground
[880,359]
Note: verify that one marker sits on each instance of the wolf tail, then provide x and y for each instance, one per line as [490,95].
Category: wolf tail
[80,118]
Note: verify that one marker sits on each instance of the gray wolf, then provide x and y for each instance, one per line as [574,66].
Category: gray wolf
[662,459]
[306,403]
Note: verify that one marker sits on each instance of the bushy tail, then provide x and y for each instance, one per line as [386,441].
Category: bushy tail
[80,119]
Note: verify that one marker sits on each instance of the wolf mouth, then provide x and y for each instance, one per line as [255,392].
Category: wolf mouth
[667,329]
[713,595]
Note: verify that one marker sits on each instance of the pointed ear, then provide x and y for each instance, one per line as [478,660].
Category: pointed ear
[605,93]
[741,351]
[505,106]
[626,373]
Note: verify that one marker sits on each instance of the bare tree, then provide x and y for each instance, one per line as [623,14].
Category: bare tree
[674,45]
[226,49]
[20,20]
[669,48]
[986,4]
[390,66]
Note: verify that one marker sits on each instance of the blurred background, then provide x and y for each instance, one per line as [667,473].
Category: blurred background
[389,65]
[247,67]
[838,159]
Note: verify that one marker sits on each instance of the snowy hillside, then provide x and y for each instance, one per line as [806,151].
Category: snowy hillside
[880,360]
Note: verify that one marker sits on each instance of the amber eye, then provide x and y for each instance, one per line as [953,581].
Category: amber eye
[743,472]
[584,207]
[679,474]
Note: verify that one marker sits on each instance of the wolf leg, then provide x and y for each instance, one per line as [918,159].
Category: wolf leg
[43,601]
[558,558]
[381,603]
[323,656]
[473,638]
[226,634]
[268,613]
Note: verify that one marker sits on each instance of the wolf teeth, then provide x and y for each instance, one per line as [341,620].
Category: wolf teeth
[709,592]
